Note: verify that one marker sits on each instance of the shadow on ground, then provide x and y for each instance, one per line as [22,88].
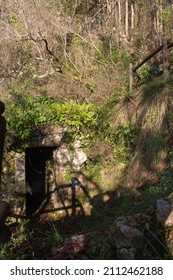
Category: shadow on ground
[77,235]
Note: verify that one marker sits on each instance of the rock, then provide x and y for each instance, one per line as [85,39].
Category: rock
[79,157]
[125,235]
[126,254]
[63,156]
[72,247]
[164,209]
[127,239]
[4,211]
[19,176]
[169,241]
[48,136]
[77,144]
[80,239]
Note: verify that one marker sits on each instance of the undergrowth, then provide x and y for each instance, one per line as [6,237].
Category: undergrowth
[25,116]
[139,136]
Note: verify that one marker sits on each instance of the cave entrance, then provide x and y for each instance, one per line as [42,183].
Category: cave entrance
[36,160]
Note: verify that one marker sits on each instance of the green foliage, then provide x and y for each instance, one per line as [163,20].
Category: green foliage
[150,192]
[52,237]
[166,16]
[75,116]
[125,134]
[122,139]
[127,200]
[110,53]
[9,251]
[102,249]
[121,154]
[94,170]
[24,116]
[156,146]
[14,20]
[171,56]
[5,253]
[145,72]
[103,127]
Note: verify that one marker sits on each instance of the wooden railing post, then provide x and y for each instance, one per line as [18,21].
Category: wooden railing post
[2,134]
[165,58]
[130,77]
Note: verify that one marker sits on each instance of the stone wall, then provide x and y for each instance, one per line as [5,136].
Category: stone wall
[57,160]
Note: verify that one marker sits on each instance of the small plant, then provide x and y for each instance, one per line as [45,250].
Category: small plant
[145,72]
[102,249]
[5,253]
[127,201]
[53,237]
[125,134]
[11,249]
[121,154]
[94,169]
[24,225]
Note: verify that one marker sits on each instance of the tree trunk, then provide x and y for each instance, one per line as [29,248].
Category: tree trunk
[127,19]
[161,20]
[119,17]
[132,16]
[130,77]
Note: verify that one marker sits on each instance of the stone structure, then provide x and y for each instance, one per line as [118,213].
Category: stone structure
[42,179]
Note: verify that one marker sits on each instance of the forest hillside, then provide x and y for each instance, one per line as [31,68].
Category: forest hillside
[67,63]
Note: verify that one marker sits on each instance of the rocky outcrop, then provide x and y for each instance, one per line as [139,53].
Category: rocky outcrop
[127,239]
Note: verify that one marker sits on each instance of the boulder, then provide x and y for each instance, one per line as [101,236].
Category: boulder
[164,210]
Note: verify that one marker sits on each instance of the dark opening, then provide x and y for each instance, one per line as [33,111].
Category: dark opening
[35,174]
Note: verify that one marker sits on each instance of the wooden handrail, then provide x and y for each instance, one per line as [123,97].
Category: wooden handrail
[170,45]
[164,48]
[147,58]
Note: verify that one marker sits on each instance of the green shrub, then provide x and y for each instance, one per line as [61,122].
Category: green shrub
[24,116]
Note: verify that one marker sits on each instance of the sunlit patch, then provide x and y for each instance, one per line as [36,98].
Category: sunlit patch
[106,197]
